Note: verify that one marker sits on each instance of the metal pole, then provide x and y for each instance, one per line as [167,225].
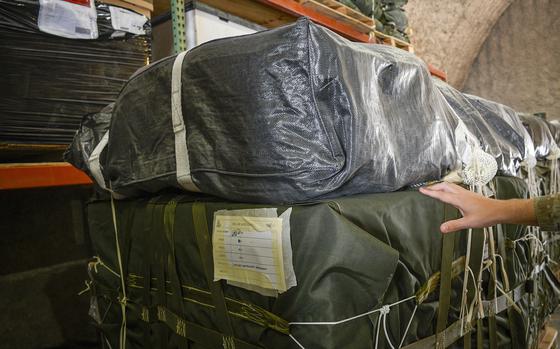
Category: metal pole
[178,20]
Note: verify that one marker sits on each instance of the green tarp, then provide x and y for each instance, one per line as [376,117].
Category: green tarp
[351,255]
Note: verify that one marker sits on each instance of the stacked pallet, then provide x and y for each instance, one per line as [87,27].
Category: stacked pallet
[356,20]
[42,108]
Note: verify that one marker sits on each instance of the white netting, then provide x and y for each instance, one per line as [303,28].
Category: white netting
[481,168]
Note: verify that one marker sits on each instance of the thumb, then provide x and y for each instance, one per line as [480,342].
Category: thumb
[454,225]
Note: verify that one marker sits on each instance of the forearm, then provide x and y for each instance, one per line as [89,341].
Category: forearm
[516,211]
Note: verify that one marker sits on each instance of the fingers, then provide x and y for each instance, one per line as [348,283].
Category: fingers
[454,225]
[443,186]
[444,196]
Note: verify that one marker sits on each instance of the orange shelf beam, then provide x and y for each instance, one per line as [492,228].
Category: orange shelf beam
[437,72]
[40,175]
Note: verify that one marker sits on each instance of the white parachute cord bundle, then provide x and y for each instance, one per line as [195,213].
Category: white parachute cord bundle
[480,168]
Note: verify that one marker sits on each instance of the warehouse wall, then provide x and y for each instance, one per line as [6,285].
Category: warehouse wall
[450,33]
[519,64]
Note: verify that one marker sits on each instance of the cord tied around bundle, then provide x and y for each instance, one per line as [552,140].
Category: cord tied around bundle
[381,321]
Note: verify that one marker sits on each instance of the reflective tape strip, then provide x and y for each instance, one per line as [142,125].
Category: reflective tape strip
[182,163]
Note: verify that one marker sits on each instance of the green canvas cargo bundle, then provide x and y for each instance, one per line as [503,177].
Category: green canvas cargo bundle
[372,271]
[390,17]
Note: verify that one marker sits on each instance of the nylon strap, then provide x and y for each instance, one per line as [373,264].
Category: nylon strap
[158,263]
[146,295]
[93,161]
[448,250]
[169,229]
[467,338]
[479,335]
[237,308]
[502,244]
[182,162]
[432,284]
[492,284]
[476,255]
[452,333]
[193,332]
[215,287]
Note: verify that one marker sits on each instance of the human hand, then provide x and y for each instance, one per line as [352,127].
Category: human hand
[478,211]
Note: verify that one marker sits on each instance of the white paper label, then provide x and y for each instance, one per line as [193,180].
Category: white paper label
[69,20]
[249,250]
[127,21]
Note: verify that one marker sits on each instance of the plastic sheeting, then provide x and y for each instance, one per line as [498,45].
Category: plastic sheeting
[495,114]
[492,134]
[48,83]
[87,137]
[538,129]
[287,115]
[554,127]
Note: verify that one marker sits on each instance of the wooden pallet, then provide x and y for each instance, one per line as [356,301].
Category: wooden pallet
[355,19]
[342,13]
[142,7]
[548,338]
[382,38]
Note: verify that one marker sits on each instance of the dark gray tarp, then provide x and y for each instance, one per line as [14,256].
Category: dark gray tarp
[350,255]
[92,128]
[286,115]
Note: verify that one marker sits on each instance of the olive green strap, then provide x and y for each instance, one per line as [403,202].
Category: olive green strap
[158,258]
[493,330]
[492,327]
[147,250]
[432,284]
[447,253]
[193,332]
[203,239]
[502,243]
[240,309]
[467,339]
[479,336]
[169,229]
[475,261]
[452,333]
